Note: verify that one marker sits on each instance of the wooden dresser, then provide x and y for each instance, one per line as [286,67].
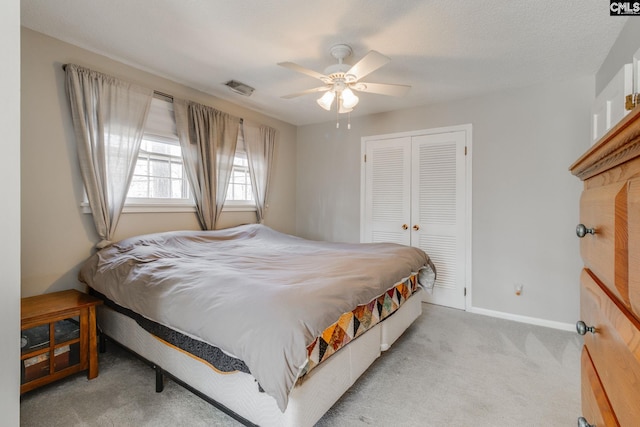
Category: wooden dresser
[609,234]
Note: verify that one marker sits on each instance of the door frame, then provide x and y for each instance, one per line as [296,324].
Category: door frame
[467,129]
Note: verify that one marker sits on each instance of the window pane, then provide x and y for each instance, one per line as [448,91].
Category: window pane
[238,177]
[177,189]
[160,188]
[237,192]
[240,182]
[159,168]
[176,170]
[142,166]
[139,187]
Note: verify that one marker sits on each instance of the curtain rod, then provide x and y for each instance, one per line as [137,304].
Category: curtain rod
[156,93]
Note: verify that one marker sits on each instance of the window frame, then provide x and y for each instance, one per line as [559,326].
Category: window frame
[160,204]
[240,205]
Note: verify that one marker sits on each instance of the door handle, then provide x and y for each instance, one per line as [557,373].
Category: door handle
[416,227]
[405,226]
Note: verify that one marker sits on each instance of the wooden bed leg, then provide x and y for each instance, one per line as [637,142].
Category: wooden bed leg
[159,379]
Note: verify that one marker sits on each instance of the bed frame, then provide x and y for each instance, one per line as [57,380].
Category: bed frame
[238,393]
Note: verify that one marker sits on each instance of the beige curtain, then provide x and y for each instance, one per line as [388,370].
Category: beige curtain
[108,118]
[259,141]
[208,138]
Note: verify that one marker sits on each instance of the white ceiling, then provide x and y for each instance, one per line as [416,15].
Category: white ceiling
[445,49]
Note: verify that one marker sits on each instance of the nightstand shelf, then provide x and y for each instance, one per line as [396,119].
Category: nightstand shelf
[58,337]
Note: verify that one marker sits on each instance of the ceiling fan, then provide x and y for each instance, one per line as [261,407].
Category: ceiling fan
[341,80]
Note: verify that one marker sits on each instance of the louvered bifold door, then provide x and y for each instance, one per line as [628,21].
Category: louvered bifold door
[388,190]
[438,211]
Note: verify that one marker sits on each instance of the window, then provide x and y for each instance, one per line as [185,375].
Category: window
[239,191]
[159,173]
[159,182]
[240,182]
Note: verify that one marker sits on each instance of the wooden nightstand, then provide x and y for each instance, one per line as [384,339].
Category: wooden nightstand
[58,337]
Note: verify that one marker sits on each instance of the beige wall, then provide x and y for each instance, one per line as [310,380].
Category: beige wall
[525,202]
[56,235]
[10,213]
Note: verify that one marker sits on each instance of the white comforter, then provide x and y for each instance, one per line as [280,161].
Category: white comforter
[257,294]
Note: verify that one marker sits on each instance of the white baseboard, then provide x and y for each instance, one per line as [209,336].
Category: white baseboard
[524,319]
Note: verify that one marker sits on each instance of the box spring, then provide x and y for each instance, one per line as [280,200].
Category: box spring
[239,392]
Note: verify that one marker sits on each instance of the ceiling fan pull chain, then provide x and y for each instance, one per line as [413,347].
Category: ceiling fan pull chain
[338,112]
[349,120]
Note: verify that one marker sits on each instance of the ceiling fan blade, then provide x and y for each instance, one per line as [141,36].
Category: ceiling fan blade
[382,88]
[367,65]
[300,69]
[305,92]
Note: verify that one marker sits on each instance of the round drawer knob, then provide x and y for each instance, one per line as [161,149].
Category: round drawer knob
[405,226]
[582,328]
[582,230]
[582,422]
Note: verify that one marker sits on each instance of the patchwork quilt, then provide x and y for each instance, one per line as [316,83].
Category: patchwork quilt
[354,323]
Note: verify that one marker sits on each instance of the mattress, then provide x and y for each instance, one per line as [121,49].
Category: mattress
[348,327]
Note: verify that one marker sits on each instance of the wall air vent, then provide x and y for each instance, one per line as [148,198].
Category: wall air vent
[240,88]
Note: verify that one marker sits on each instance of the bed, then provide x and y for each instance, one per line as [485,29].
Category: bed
[271,327]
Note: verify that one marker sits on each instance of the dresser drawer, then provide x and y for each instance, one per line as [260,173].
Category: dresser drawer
[614,348]
[633,196]
[605,252]
[596,408]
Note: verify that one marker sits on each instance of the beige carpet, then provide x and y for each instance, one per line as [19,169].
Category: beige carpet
[451,368]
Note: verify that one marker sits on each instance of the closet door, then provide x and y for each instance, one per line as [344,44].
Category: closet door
[387,212]
[438,211]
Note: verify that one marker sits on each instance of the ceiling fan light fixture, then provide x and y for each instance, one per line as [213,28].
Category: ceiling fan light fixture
[343,110]
[349,99]
[326,100]
[341,80]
